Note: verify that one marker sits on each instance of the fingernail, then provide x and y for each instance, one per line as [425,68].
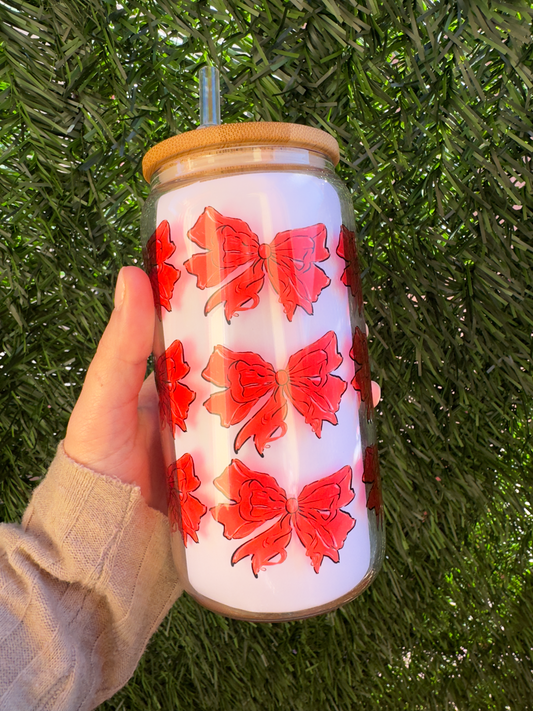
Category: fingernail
[120,290]
[376,393]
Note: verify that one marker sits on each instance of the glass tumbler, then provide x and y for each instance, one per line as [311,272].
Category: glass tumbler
[261,364]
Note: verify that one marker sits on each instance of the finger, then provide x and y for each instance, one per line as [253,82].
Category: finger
[376,393]
[148,397]
[155,494]
[118,368]
[108,401]
[376,390]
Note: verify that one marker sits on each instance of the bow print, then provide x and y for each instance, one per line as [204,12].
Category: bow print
[306,382]
[174,397]
[184,509]
[315,515]
[163,276]
[288,261]
[361,380]
[371,475]
[351,277]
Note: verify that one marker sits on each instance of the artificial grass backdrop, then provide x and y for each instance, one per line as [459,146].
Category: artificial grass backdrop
[431,103]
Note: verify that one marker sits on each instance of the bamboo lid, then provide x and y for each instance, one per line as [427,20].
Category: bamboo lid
[241,134]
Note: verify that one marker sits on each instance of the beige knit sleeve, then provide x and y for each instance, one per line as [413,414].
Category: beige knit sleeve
[84,583]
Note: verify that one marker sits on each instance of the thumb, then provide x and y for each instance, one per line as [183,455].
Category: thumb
[105,416]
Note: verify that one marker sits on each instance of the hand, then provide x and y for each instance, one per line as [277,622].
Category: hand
[114,427]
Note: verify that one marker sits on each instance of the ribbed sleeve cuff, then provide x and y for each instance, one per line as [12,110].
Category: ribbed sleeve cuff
[98,559]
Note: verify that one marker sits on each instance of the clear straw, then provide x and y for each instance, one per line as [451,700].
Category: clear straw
[208,78]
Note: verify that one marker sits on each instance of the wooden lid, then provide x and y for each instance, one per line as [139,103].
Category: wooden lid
[241,134]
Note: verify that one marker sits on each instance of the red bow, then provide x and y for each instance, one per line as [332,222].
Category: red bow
[371,475]
[315,515]
[351,277]
[184,509]
[174,397]
[289,261]
[306,382]
[361,380]
[163,276]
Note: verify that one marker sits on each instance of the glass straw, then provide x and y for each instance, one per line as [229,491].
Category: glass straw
[208,78]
